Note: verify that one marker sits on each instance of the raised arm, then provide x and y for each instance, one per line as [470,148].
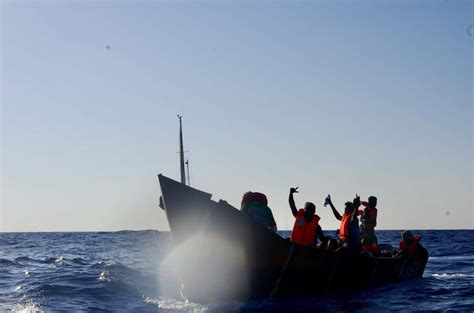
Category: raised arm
[356,204]
[291,201]
[334,211]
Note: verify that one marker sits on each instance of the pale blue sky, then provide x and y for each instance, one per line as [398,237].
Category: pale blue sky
[346,97]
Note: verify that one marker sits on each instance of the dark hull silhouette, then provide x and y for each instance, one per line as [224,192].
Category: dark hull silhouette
[222,254]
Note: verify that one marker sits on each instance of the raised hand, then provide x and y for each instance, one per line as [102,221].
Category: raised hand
[293,190]
[327,200]
[357,200]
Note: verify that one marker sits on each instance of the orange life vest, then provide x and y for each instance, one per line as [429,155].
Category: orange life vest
[303,232]
[411,248]
[344,229]
[370,215]
[345,221]
[369,248]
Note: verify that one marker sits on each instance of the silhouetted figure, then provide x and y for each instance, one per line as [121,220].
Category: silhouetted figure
[306,229]
[410,244]
[368,221]
[369,247]
[255,204]
[349,233]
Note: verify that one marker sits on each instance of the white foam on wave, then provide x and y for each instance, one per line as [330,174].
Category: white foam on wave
[218,307]
[27,307]
[61,260]
[455,275]
[173,305]
[452,257]
[104,277]
[108,263]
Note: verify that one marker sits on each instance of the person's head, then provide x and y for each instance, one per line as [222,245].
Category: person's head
[407,236]
[349,207]
[254,197]
[246,198]
[309,208]
[373,201]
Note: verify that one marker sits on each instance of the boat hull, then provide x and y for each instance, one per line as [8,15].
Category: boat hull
[223,254]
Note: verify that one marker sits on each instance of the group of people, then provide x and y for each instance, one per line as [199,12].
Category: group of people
[354,236]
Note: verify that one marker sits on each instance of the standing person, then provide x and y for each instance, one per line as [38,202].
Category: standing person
[349,234]
[368,221]
[306,229]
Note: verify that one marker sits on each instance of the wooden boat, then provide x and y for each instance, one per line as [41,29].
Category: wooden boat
[223,254]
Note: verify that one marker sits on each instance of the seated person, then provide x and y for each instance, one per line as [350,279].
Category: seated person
[410,244]
[306,229]
[255,204]
[369,247]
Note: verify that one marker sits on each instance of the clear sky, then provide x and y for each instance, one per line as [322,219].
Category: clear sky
[340,98]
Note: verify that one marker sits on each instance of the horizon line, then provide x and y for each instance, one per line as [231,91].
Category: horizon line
[164,231]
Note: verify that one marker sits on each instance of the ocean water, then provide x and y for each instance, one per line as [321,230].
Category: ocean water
[128,271]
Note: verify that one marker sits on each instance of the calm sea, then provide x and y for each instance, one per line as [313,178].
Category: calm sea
[128,271]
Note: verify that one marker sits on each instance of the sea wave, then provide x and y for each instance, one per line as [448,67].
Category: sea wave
[104,277]
[60,260]
[127,271]
[54,289]
[449,276]
[452,257]
[107,263]
[25,259]
[5,262]
[173,305]
[27,306]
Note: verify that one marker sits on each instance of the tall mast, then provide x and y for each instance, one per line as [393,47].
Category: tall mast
[181,152]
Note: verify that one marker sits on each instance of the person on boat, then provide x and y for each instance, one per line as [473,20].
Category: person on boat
[349,233]
[410,244]
[306,230]
[368,247]
[255,204]
[368,221]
